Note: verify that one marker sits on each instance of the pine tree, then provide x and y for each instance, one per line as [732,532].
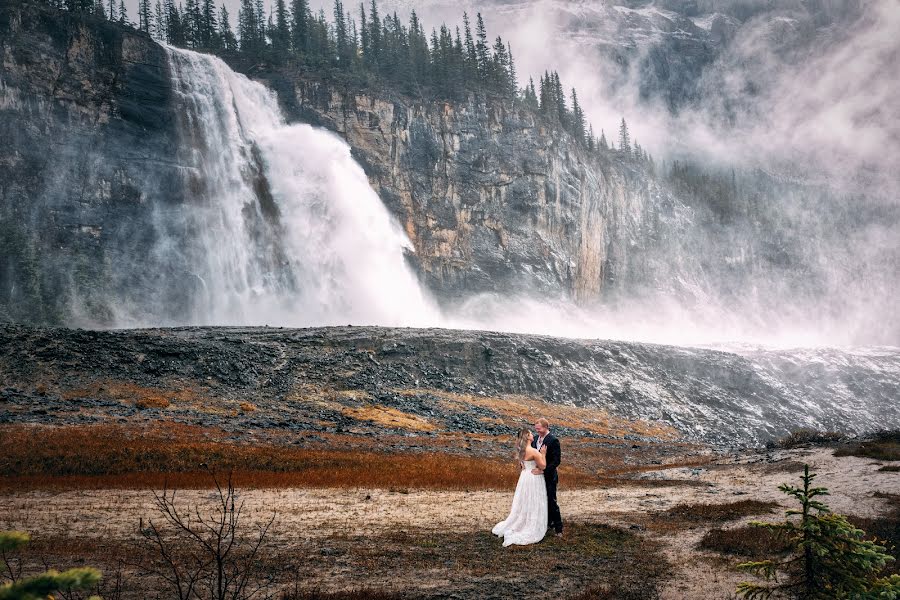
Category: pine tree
[144,15]
[281,36]
[300,19]
[111,10]
[42,586]
[209,28]
[829,558]
[499,70]
[174,25]
[482,52]
[123,13]
[577,119]
[159,22]
[229,42]
[624,141]
[547,104]
[513,83]
[529,96]
[471,54]
[603,144]
[342,43]
[363,32]
[374,35]
[560,98]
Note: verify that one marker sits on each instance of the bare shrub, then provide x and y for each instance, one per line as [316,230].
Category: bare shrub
[212,554]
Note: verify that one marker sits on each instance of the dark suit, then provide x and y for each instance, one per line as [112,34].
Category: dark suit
[551,480]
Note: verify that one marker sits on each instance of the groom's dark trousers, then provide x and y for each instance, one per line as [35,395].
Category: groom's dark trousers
[551,480]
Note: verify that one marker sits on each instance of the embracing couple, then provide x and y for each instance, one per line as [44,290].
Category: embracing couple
[534,507]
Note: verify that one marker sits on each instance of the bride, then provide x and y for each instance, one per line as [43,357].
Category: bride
[527,520]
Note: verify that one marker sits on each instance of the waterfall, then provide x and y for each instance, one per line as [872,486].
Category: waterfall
[279,224]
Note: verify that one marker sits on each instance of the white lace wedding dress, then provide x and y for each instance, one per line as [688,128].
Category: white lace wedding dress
[527,520]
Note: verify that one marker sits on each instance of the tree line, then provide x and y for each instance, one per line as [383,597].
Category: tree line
[364,45]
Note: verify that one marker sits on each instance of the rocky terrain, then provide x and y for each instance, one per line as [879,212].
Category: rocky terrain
[426,382]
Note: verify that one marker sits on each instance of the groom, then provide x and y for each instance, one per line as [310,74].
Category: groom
[551,479]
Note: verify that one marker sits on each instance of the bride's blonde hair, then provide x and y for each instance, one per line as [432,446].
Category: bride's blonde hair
[522,442]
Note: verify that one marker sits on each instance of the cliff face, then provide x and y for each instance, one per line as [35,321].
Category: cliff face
[87,134]
[97,161]
[492,199]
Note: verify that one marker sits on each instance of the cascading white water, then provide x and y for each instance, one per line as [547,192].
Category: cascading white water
[283,227]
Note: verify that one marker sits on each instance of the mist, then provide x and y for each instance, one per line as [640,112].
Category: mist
[800,102]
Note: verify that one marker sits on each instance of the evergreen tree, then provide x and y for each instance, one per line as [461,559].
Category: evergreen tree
[603,144]
[193,24]
[144,15]
[471,54]
[577,119]
[624,141]
[42,586]
[111,10]
[300,19]
[281,34]
[829,558]
[560,97]
[513,83]
[159,22]
[418,49]
[342,42]
[482,52]
[209,28]
[229,42]
[363,32]
[498,75]
[374,36]
[174,25]
[123,13]
[591,141]
[529,97]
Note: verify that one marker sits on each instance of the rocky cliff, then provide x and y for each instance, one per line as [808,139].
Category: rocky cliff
[493,199]
[88,139]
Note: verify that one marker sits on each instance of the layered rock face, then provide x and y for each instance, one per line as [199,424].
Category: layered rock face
[88,135]
[97,161]
[493,199]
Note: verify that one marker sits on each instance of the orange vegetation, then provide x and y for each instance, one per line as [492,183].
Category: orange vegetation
[142,397]
[518,410]
[389,417]
[103,456]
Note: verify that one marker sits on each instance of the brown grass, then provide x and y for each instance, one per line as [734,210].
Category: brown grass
[720,512]
[753,542]
[108,456]
[247,407]
[141,396]
[152,403]
[388,417]
[515,410]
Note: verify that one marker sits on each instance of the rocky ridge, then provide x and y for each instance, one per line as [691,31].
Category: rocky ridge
[359,380]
